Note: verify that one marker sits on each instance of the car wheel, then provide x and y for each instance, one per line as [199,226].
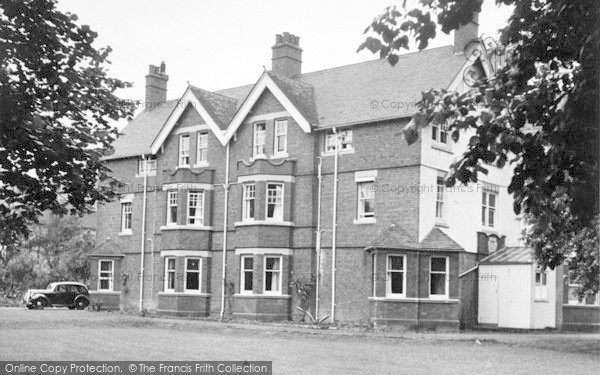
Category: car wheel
[81,303]
[39,303]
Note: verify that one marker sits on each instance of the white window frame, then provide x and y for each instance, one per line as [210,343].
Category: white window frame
[446,278]
[486,208]
[436,134]
[198,271]
[169,271]
[344,138]
[147,167]
[280,138]
[255,140]
[274,218]
[440,199]
[184,150]
[172,202]
[198,218]
[248,197]
[540,292]
[368,188]
[126,210]
[202,149]
[110,278]
[389,271]
[243,272]
[280,271]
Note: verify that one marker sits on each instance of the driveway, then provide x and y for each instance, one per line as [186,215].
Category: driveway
[55,334]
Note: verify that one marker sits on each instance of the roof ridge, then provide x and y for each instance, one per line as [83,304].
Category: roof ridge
[369,61]
[212,92]
[284,78]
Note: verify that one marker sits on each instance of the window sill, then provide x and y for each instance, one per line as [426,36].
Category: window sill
[264,222]
[126,233]
[201,165]
[341,152]
[280,156]
[248,295]
[186,227]
[368,220]
[441,223]
[413,299]
[441,147]
[173,293]
[149,174]
[182,167]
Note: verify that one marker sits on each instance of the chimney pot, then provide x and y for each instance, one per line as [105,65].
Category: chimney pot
[156,86]
[287,55]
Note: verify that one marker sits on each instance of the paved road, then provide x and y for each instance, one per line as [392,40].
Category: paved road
[84,335]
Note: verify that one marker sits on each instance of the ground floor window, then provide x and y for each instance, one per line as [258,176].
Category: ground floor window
[438,277]
[247,274]
[541,288]
[105,275]
[396,276]
[575,295]
[169,274]
[192,275]
[272,276]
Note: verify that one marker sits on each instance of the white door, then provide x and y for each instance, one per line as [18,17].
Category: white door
[488,296]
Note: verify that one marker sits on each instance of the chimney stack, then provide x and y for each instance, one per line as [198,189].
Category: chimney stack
[156,86]
[287,55]
[466,33]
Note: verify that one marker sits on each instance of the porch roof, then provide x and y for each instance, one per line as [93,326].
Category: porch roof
[510,255]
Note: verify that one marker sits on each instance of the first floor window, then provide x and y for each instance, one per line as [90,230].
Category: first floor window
[273,275]
[169,274]
[274,202]
[259,139]
[366,200]
[438,277]
[202,149]
[344,139]
[439,200]
[488,209]
[195,208]
[126,216]
[247,268]
[184,150]
[105,276]
[249,193]
[192,274]
[439,133]
[280,137]
[541,289]
[147,166]
[172,198]
[395,275]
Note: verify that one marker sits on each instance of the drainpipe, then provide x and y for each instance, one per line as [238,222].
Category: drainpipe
[143,249]
[320,178]
[225,204]
[334,224]
[419,290]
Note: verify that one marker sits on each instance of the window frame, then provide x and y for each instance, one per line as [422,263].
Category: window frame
[389,271]
[274,219]
[170,207]
[246,199]
[243,272]
[440,199]
[110,278]
[199,214]
[436,134]
[279,271]
[344,138]
[202,152]
[255,154]
[540,292]
[486,207]
[185,275]
[360,213]
[167,273]
[446,272]
[277,135]
[124,214]
[147,167]
[184,153]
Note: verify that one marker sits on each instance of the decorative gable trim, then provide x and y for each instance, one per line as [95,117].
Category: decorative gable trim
[265,82]
[187,99]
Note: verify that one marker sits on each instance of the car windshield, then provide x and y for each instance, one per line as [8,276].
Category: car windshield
[50,286]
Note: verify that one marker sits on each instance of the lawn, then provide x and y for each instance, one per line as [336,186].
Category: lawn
[55,334]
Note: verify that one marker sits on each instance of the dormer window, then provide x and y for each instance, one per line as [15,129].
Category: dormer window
[258,150]
[184,150]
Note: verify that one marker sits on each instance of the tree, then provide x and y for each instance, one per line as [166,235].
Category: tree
[538,112]
[56,105]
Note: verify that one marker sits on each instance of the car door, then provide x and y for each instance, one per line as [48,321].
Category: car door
[61,294]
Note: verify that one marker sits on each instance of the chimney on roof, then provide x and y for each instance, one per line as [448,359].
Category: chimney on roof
[287,55]
[466,33]
[156,86]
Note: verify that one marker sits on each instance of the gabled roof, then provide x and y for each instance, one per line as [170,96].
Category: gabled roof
[348,95]
[510,255]
[394,237]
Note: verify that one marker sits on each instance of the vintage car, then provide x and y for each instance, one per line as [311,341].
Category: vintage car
[61,294]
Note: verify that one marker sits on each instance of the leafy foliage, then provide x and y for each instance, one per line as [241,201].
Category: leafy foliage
[538,112]
[56,105]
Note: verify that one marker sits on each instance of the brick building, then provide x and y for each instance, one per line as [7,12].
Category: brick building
[230,195]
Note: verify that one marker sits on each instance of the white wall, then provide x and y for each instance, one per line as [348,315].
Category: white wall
[543,313]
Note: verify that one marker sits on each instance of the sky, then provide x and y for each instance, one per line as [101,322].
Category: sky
[217,44]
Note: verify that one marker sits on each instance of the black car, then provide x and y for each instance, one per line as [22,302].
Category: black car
[63,294]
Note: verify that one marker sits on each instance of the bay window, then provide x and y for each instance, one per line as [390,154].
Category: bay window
[105,275]
[247,274]
[195,208]
[438,277]
[274,202]
[192,275]
[272,275]
[249,198]
[172,198]
[396,276]
[169,274]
